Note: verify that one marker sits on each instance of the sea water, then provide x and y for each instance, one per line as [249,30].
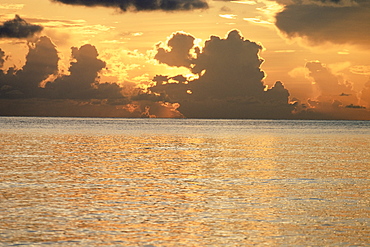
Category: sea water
[183,182]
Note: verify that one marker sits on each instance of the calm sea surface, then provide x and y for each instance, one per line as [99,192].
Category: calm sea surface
[184,182]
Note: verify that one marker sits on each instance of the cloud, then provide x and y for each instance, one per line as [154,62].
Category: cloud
[365,94]
[82,82]
[230,67]
[2,58]
[147,5]
[177,50]
[18,28]
[11,6]
[331,87]
[229,84]
[38,90]
[322,21]
[336,98]
[41,62]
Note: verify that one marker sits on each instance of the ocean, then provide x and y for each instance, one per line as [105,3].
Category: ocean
[183,182]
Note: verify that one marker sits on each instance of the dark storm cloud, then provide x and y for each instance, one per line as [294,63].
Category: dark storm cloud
[229,85]
[320,21]
[18,28]
[141,5]
[178,53]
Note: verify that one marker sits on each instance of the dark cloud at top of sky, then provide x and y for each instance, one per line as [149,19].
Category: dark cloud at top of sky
[321,21]
[18,28]
[142,5]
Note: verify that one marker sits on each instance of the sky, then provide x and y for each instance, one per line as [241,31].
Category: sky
[274,59]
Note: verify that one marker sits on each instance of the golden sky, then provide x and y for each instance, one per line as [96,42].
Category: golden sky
[321,58]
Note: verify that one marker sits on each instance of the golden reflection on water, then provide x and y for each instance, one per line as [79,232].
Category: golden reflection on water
[172,190]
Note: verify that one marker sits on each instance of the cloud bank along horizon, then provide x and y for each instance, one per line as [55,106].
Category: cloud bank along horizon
[227,79]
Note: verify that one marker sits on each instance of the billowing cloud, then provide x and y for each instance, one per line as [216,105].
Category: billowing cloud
[335,97]
[331,87]
[37,89]
[177,52]
[322,21]
[83,74]
[230,67]
[136,5]
[229,84]
[41,62]
[18,28]
[226,82]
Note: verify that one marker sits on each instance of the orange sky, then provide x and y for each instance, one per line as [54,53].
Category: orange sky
[322,62]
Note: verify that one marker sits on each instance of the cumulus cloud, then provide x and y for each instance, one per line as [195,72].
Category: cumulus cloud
[230,67]
[229,84]
[18,28]
[41,62]
[331,87]
[335,99]
[83,74]
[37,77]
[321,21]
[177,51]
[147,5]
[37,89]
[83,82]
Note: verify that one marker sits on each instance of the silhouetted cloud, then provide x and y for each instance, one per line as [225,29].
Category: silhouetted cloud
[229,85]
[2,58]
[141,5]
[34,91]
[177,52]
[41,62]
[320,21]
[82,80]
[18,28]
[230,67]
